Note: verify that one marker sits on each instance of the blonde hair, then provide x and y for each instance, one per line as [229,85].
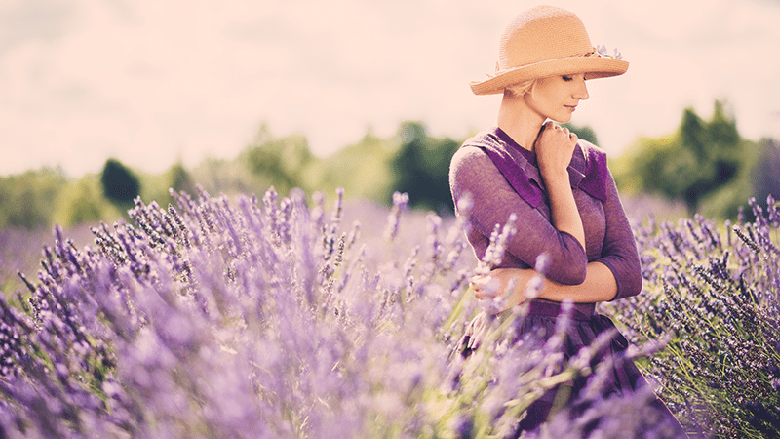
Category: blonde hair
[520,89]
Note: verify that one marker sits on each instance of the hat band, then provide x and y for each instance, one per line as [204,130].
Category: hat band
[598,52]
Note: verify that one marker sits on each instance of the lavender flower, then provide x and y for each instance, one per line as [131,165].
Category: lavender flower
[220,318]
[400,204]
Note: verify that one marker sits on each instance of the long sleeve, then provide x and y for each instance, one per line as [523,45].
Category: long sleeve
[472,172]
[619,252]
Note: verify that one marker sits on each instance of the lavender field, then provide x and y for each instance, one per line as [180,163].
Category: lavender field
[296,317]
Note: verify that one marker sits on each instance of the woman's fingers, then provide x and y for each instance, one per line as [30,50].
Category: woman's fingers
[561,131]
[476,284]
[554,148]
[571,136]
[485,286]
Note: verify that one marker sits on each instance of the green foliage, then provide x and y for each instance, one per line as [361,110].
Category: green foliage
[421,168]
[181,180]
[81,201]
[691,165]
[726,201]
[154,187]
[371,169]
[285,163]
[228,177]
[27,200]
[119,183]
[157,187]
[362,169]
[410,161]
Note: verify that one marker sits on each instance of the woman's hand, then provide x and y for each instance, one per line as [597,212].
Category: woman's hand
[554,148]
[506,284]
[510,286]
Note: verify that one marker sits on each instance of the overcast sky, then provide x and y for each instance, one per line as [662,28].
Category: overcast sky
[150,81]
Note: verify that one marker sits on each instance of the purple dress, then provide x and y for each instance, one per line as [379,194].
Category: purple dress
[501,178]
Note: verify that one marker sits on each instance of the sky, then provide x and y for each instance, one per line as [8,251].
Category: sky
[150,82]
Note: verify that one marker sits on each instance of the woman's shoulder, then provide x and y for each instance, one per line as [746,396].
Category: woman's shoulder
[591,149]
[468,152]
[486,159]
[590,163]
[491,138]
[472,151]
[468,165]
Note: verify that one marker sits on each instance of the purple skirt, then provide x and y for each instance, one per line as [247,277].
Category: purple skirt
[624,379]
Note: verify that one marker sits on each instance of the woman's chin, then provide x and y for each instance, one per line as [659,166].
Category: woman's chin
[561,119]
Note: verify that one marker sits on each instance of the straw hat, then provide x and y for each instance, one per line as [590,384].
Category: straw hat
[546,41]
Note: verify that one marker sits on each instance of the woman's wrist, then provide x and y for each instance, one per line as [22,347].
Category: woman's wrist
[518,280]
[555,177]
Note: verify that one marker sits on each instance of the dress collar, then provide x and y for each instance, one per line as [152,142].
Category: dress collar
[587,169]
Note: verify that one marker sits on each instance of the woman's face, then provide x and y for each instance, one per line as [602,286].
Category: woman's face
[556,97]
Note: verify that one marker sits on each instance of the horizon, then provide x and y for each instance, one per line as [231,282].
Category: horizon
[150,84]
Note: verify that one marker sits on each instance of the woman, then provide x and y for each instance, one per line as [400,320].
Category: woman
[559,188]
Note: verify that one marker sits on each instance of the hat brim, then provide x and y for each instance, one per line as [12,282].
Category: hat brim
[593,67]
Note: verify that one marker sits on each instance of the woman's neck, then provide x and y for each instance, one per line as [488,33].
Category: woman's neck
[519,122]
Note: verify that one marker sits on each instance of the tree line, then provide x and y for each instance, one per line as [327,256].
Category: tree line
[705,164]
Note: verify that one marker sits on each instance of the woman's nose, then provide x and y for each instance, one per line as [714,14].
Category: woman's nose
[582,90]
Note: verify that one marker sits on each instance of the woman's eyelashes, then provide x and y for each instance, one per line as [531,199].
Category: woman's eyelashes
[567,78]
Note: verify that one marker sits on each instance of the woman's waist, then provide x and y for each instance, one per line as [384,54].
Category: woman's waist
[553,309]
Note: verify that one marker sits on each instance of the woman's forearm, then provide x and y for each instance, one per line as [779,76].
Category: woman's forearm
[599,286]
[563,209]
[512,283]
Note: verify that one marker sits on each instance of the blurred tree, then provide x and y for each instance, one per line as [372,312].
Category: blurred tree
[421,168]
[120,185]
[27,200]
[80,202]
[283,162]
[692,164]
[228,177]
[362,169]
[181,180]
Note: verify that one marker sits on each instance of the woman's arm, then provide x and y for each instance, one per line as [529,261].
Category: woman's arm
[599,286]
[554,148]
[619,252]
[473,174]
[616,274]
